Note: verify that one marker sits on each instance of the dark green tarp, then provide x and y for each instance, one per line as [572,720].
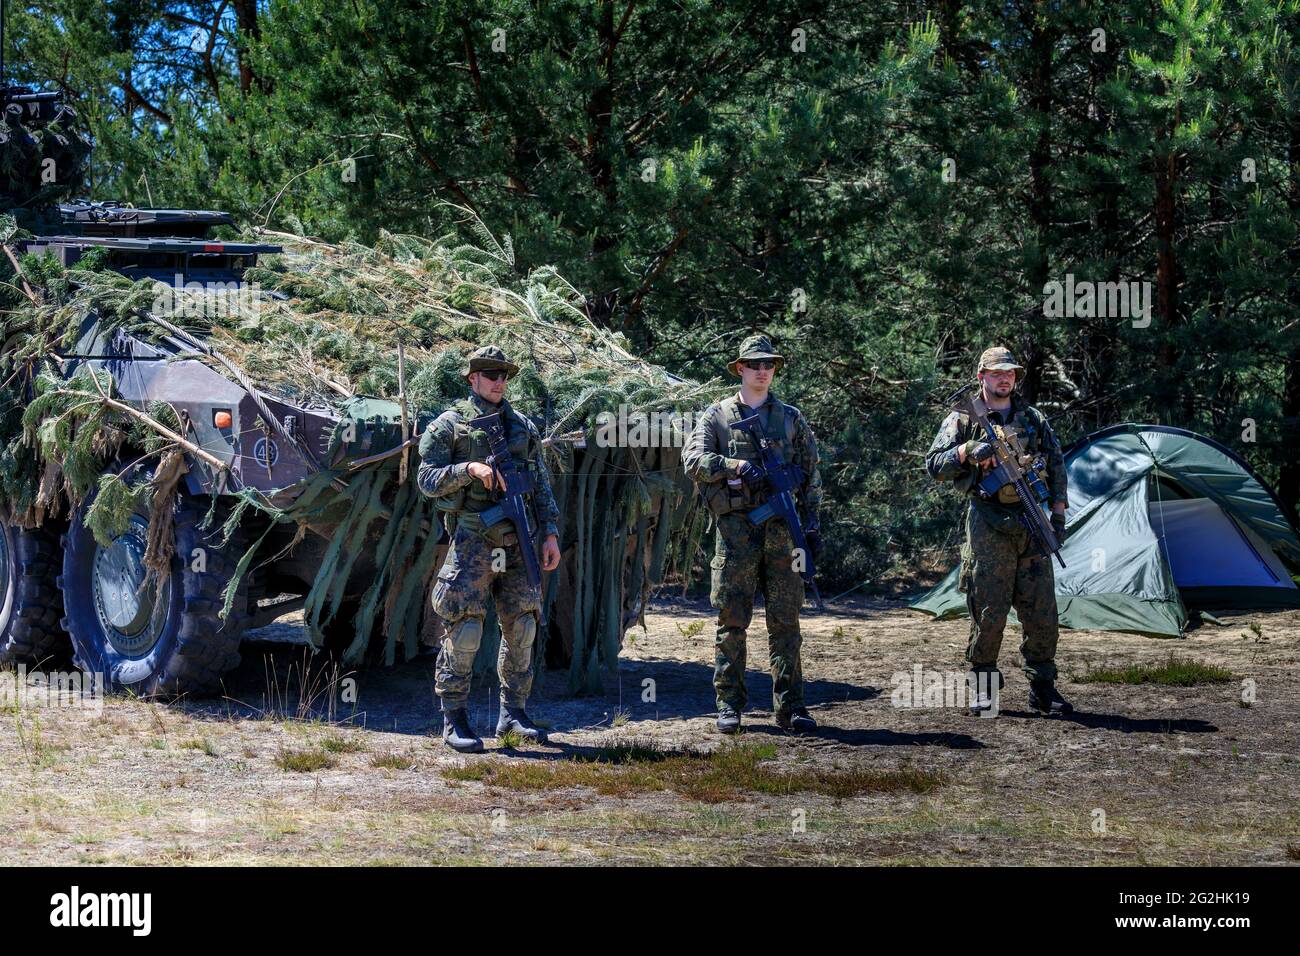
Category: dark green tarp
[1160,519]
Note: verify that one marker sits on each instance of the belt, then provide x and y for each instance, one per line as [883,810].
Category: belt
[501,532]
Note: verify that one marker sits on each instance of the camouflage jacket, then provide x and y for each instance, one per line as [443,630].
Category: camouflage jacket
[715,452]
[1035,435]
[448,446]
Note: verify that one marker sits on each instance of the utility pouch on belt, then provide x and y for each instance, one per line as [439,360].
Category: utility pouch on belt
[489,525]
[723,497]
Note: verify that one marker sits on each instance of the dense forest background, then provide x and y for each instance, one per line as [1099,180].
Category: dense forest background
[885,186]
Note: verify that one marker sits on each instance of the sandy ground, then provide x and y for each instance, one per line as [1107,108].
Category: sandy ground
[1139,775]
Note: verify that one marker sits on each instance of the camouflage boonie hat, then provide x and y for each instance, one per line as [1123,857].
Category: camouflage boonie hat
[489,357]
[998,359]
[755,347]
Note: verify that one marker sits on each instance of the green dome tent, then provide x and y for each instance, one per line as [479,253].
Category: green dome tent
[1161,519]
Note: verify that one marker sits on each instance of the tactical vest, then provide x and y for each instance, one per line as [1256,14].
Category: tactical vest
[721,497]
[472,445]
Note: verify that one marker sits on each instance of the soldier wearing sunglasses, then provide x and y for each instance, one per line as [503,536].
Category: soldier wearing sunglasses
[720,461]
[485,562]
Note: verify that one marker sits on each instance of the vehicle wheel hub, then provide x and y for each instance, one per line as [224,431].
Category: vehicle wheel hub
[126,611]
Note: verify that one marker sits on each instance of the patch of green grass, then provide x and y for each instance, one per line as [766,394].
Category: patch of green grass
[200,743]
[511,740]
[339,744]
[1174,672]
[304,761]
[392,761]
[707,776]
[690,631]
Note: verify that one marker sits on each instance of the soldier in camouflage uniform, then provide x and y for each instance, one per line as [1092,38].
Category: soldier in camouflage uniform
[721,463]
[485,562]
[1001,566]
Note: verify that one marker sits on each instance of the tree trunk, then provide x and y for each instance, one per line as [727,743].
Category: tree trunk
[600,116]
[1288,484]
[1165,212]
[1041,40]
[249,30]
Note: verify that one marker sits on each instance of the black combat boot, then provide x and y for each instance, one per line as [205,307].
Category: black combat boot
[514,718]
[1046,699]
[457,733]
[728,720]
[986,684]
[797,721]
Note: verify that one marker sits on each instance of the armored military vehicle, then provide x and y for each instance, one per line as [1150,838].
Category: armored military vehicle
[65,593]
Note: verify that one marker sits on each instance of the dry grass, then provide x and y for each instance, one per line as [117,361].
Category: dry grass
[392,761]
[203,744]
[304,761]
[1185,776]
[336,743]
[714,776]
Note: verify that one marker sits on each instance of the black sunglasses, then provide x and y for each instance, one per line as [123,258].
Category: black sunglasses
[757,364]
[494,374]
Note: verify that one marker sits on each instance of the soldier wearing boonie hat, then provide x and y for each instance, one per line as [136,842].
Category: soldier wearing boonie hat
[453,471]
[1001,566]
[720,460]
[489,357]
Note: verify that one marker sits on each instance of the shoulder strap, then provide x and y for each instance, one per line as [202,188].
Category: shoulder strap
[780,420]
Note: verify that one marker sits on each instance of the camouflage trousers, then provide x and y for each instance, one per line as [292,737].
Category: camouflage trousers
[474,570]
[1002,569]
[745,559]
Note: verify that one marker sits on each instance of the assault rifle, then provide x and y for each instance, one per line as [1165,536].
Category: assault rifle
[782,479]
[1009,454]
[514,485]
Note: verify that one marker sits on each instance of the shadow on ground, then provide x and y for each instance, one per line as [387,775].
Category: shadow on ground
[284,679]
[280,677]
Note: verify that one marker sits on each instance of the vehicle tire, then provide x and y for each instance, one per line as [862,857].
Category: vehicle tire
[31,605]
[169,644]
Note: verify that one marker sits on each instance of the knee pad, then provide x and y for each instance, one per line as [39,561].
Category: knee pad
[526,631]
[463,639]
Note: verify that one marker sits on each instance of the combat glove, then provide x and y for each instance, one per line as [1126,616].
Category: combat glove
[1058,525]
[978,451]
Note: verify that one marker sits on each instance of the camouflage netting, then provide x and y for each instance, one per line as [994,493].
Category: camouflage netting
[323,326]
